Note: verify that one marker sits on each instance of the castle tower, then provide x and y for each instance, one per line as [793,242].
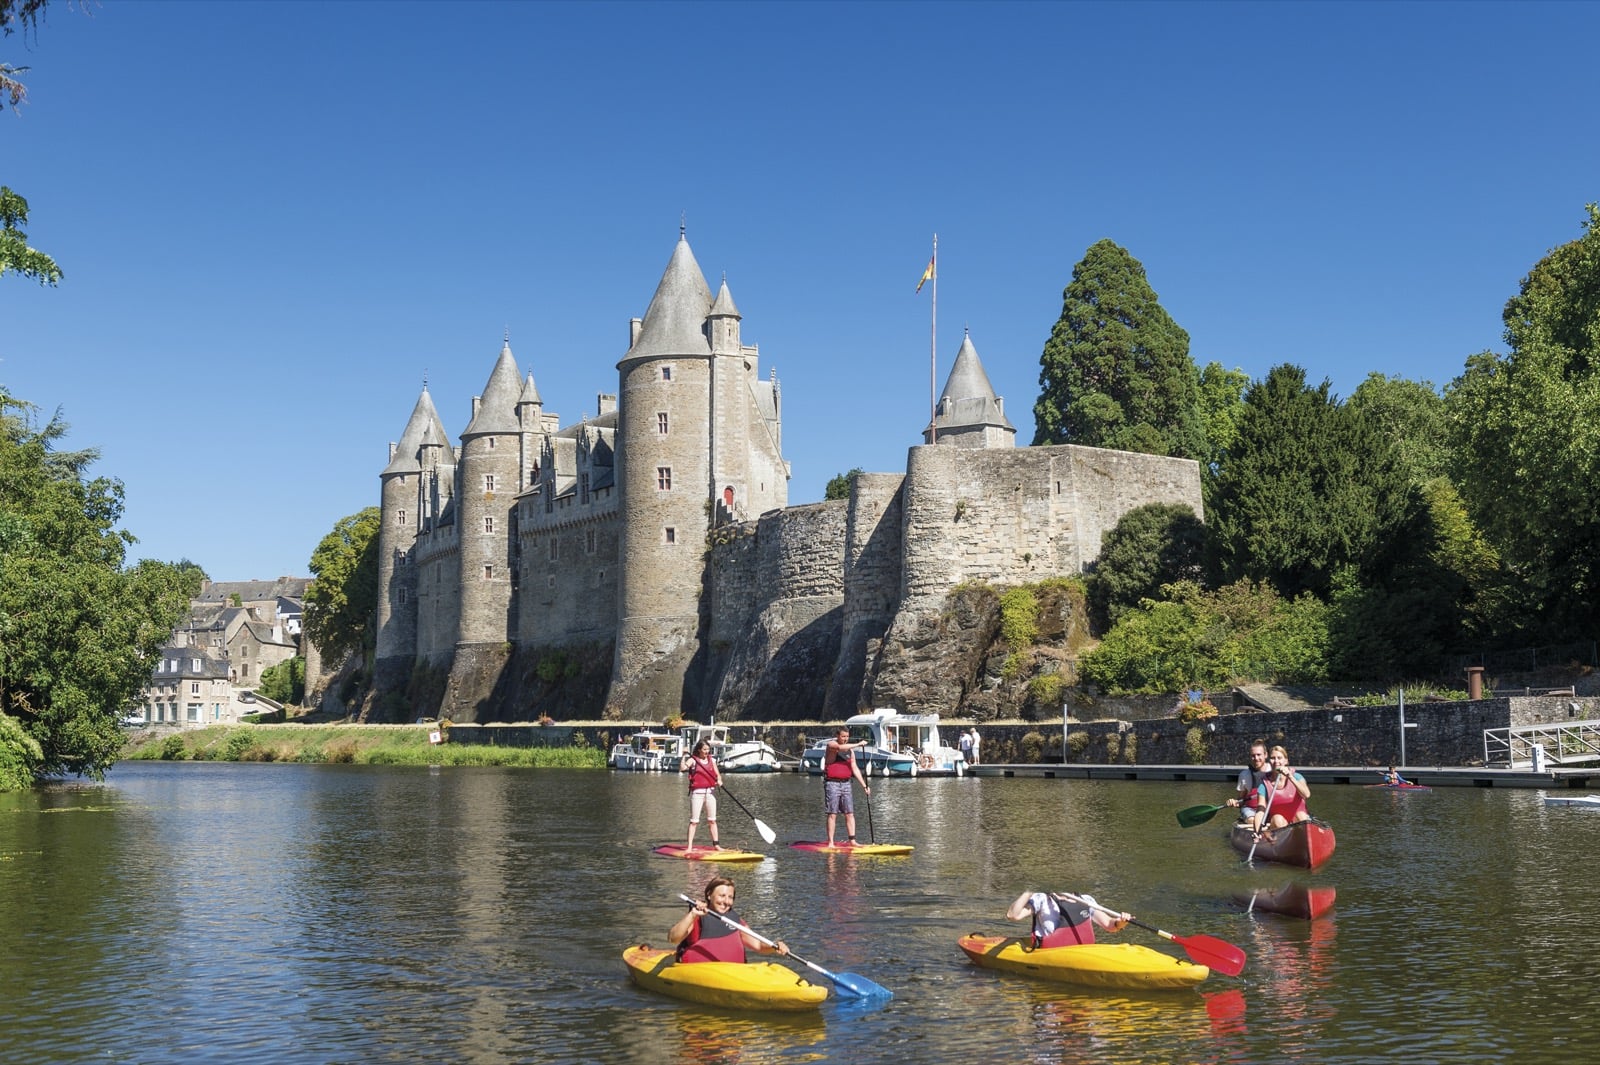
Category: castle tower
[489,474]
[969,414]
[664,473]
[400,516]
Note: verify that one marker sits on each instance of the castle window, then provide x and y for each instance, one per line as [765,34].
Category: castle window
[491,443]
[666,373]
[664,478]
[488,482]
[488,573]
[555,549]
[402,517]
[588,541]
[661,422]
[402,596]
[488,524]
[670,535]
[583,488]
[402,559]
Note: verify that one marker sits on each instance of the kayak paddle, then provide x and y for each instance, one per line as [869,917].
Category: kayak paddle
[1266,819]
[1198,815]
[761,826]
[1209,951]
[848,983]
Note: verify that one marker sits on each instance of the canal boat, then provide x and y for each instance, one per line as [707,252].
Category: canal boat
[1291,900]
[1128,966]
[898,745]
[1573,800]
[732,756]
[756,985]
[1306,844]
[648,751]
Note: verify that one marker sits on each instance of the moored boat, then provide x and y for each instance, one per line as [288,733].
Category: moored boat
[757,985]
[732,756]
[1121,965]
[1306,844]
[898,745]
[1572,800]
[648,752]
[1291,900]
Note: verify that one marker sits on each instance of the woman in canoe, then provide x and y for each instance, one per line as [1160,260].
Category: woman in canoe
[1061,919]
[1282,796]
[702,935]
[704,780]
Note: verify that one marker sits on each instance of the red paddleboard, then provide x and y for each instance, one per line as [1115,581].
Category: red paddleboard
[706,854]
[862,849]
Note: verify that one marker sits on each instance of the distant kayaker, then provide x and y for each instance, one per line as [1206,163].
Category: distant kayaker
[1394,779]
[1282,796]
[838,766]
[704,780]
[1250,778]
[701,934]
[1061,919]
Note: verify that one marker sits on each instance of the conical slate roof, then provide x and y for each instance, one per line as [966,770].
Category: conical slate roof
[530,394]
[497,407]
[724,306]
[675,322]
[970,396]
[424,418]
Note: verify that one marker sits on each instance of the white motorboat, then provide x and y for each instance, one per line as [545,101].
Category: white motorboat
[648,752]
[732,756]
[1573,800]
[898,745]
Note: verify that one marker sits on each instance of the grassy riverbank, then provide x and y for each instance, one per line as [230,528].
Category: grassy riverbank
[351,744]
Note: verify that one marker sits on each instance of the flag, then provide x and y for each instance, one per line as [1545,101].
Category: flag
[926,274]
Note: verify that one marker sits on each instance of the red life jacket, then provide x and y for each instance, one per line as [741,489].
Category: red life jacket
[702,774]
[838,765]
[712,939]
[1076,927]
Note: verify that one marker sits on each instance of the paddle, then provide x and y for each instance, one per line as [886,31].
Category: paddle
[1198,815]
[1266,819]
[761,826]
[872,834]
[847,983]
[1209,951]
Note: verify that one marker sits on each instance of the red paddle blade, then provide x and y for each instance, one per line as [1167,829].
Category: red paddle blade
[1213,953]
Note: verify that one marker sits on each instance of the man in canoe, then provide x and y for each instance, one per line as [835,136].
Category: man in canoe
[838,766]
[1282,797]
[1061,919]
[704,780]
[702,935]
[1250,779]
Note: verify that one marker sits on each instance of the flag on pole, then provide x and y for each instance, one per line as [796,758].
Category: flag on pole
[926,275]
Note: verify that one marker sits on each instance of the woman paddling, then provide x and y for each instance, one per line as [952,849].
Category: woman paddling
[1061,919]
[1282,796]
[702,935]
[704,780]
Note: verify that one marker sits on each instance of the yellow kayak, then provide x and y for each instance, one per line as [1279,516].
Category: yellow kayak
[757,985]
[1123,965]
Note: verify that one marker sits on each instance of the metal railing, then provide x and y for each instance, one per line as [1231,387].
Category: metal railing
[1568,743]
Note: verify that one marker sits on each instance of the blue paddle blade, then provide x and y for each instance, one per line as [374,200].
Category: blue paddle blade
[860,987]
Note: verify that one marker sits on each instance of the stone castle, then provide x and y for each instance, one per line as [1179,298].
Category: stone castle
[643,563]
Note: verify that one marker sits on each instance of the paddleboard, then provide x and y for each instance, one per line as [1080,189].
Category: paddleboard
[862,849]
[706,854]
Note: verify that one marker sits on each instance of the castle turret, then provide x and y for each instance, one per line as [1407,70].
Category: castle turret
[401,492]
[488,477]
[664,476]
[969,413]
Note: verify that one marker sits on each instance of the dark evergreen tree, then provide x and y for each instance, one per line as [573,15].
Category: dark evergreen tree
[1150,546]
[1116,371]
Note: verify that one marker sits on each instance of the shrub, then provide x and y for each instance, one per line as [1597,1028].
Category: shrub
[1077,743]
[1019,617]
[1195,746]
[237,745]
[1033,747]
[172,749]
[1189,713]
[1130,748]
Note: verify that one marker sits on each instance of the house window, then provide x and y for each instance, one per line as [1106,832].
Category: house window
[555,549]
[666,373]
[194,664]
[670,535]
[488,482]
[583,488]
[488,524]
[244,670]
[588,541]
[661,422]
[194,712]
[488,573]
[402,517]
[664,478]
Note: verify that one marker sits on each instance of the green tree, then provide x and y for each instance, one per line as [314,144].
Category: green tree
[1309,487]
[839,486]
[1526,432]
[342,601]
[1221,407]
[79,631]
[1116,371]
[17,15]
[285,682]
[1150,546]
[1411,415]
[15,255]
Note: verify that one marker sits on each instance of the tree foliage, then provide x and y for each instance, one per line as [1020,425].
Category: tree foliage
[1526,432]
[17,15]
[1149,547]
[79,631]
[1411,416]
[839,486]
[342,601]
[1116,371]
[285,682]
[15,254]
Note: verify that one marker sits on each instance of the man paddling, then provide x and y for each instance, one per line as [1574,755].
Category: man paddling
[1250,779]
[838,766]
[1061,919]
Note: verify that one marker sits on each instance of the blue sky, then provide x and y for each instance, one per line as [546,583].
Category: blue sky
[275,219]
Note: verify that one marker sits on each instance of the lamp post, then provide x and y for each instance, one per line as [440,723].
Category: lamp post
[1403,726]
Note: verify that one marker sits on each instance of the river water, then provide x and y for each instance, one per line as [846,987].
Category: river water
[287,913]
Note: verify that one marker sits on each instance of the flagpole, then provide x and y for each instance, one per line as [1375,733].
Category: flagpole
[933,352]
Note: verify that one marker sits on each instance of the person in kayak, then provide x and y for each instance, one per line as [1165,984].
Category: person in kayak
[1250,778]
[1394,779]
[704,780]
[702,935]
[1282,796]
[838,766]
[1061,919]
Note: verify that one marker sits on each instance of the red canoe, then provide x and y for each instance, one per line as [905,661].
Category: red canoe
[1291,900]
[1401,787]
[1305,843]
